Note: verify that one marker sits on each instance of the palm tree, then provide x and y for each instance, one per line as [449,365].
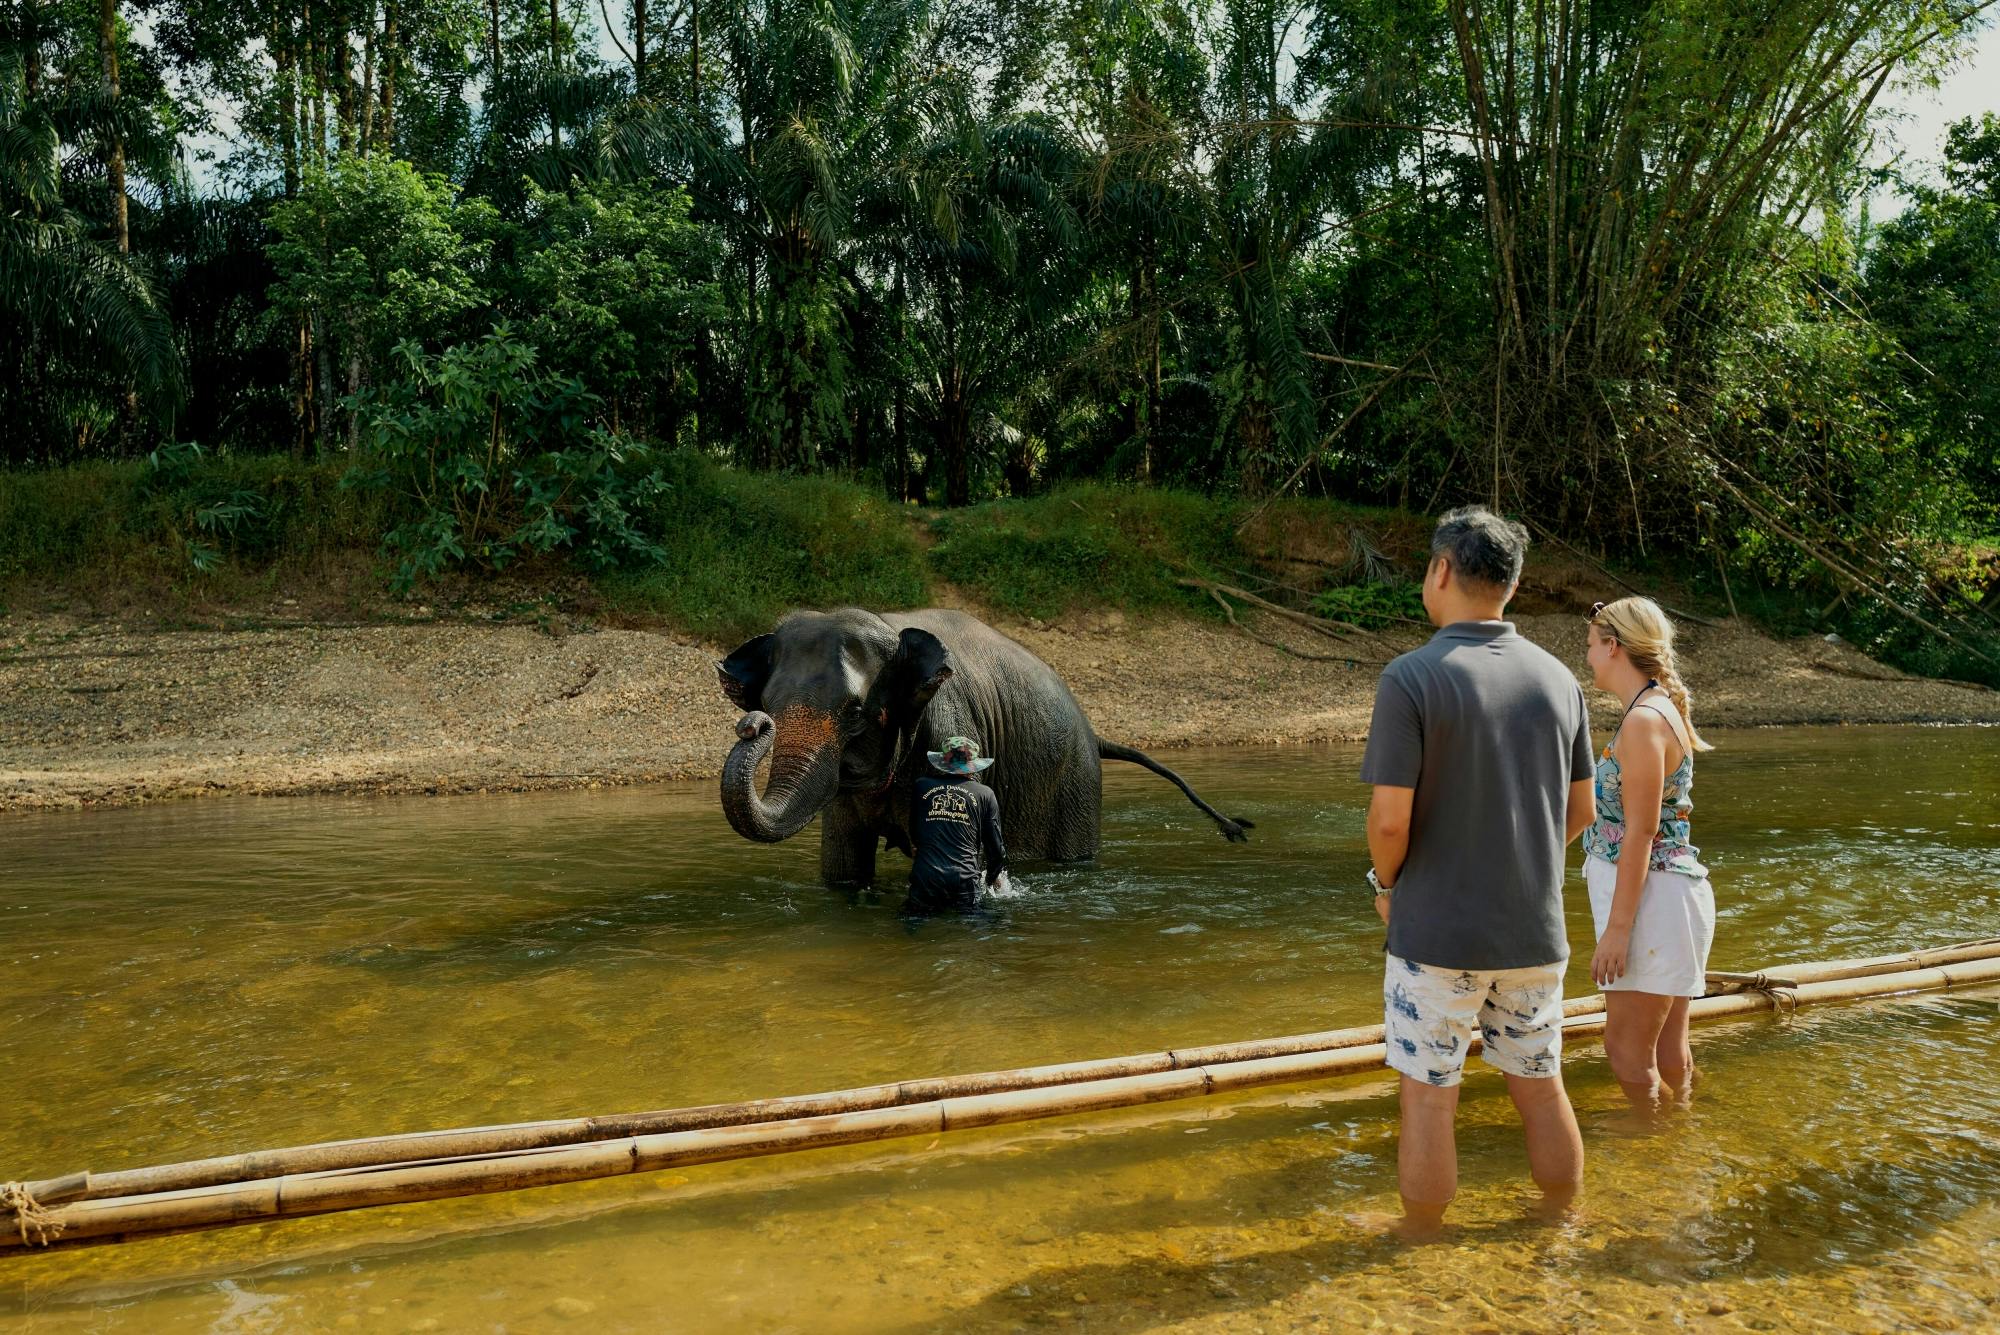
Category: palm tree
[823,100]
[987,237]
[68,301]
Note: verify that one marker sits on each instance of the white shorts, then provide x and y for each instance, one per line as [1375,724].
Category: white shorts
[1671,935]
[1428,1015]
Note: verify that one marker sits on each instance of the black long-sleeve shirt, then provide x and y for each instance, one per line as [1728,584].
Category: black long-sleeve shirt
[954,822]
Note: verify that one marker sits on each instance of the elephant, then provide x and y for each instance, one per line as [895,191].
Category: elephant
[845,703]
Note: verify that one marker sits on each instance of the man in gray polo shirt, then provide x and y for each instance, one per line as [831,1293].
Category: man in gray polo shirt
[1480,756]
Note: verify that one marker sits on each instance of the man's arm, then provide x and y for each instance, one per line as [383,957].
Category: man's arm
[1582,775]
[1389,836]
[1392,763]
[1582,809]
[989,836]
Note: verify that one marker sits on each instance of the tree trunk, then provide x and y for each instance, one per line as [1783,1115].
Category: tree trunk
[343,87]
[323,380]
[555,67]
[302,401]
[1253,429]
[493,44]
[1135,412]
[956,432]
[368,79]
[353,388]
[31,69]
[902,392]
[386,136]
[283,50]
[1154,395]
[694,48]
[863,431]
[316,62]
[114,163]
[1018,469]
[639,47]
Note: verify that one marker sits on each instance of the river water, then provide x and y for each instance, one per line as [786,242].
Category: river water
[217,976]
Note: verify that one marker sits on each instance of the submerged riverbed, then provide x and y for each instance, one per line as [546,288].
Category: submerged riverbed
[204,978]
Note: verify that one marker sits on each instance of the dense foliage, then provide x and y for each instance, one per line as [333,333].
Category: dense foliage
[1605,264]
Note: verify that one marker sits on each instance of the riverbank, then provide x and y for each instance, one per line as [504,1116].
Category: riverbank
[96,712]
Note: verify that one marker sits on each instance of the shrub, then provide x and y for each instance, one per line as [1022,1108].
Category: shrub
[490,459]
[1372,606]
[738,550]
[1084,545]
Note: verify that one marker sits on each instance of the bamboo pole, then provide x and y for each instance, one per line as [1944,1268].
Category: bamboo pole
[515,1137]
[123,1218]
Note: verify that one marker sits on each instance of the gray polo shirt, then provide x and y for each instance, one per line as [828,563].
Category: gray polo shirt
[1491,730]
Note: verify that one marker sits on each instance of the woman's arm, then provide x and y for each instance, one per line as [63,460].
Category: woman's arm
[1642,768]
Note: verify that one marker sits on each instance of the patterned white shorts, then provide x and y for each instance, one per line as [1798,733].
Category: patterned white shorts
[1429,1015]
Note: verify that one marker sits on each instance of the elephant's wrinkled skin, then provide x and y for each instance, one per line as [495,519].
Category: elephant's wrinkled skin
[845,704]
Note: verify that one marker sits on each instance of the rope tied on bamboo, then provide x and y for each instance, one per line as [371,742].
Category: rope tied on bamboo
[1780,992]
[30,1216]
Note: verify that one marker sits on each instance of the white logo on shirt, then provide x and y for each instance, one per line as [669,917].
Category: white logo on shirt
[949,804]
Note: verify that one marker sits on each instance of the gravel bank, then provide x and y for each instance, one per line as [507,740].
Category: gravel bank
[116,712]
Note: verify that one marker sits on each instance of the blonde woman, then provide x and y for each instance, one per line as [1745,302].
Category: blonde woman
[1654,910]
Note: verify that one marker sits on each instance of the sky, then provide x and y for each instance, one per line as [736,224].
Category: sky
[1918,117]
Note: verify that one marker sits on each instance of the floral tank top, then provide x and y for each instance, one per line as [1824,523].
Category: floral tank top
[1671,850]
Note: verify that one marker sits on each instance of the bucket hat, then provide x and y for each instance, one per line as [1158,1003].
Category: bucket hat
[959,756]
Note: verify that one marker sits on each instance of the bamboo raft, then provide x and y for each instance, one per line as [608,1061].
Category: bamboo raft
[88,1208]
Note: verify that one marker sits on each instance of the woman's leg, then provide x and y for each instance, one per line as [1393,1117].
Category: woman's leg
[1633,1022]
[1674,1055]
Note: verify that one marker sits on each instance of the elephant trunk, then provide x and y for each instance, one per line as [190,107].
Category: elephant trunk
[805,772]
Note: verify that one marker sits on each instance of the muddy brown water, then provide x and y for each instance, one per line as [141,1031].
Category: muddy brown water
[209,977]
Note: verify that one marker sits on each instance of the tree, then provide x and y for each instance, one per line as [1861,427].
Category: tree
[71,306]
[989,250]
[823,97]
[613,282]
[1636,167]
[370,253]
[1933,283]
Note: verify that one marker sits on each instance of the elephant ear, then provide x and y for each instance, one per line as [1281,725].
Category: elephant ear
[744,673]
[920,665]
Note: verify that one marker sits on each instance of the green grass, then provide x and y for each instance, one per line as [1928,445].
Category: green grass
[136,524]
[200,531]
[742,549]
[1090,545]
[1084,545]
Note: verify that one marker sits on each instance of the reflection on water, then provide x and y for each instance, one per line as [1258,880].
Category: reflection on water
[202,978]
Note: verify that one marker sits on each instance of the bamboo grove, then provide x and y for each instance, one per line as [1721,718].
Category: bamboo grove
[1609,263]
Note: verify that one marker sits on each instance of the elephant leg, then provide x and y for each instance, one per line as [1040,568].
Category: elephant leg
[1077,813]
[846,846]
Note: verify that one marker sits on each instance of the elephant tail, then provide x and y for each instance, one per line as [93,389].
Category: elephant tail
[1232,830]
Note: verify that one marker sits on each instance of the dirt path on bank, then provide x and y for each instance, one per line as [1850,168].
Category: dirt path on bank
[116,712]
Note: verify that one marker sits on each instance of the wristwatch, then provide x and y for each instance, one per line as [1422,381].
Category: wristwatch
[1376,883]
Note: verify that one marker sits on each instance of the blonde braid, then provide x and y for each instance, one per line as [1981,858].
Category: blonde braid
[1641,628]
[1683,698]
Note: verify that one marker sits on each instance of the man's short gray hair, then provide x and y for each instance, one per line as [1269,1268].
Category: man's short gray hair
[1483,548]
